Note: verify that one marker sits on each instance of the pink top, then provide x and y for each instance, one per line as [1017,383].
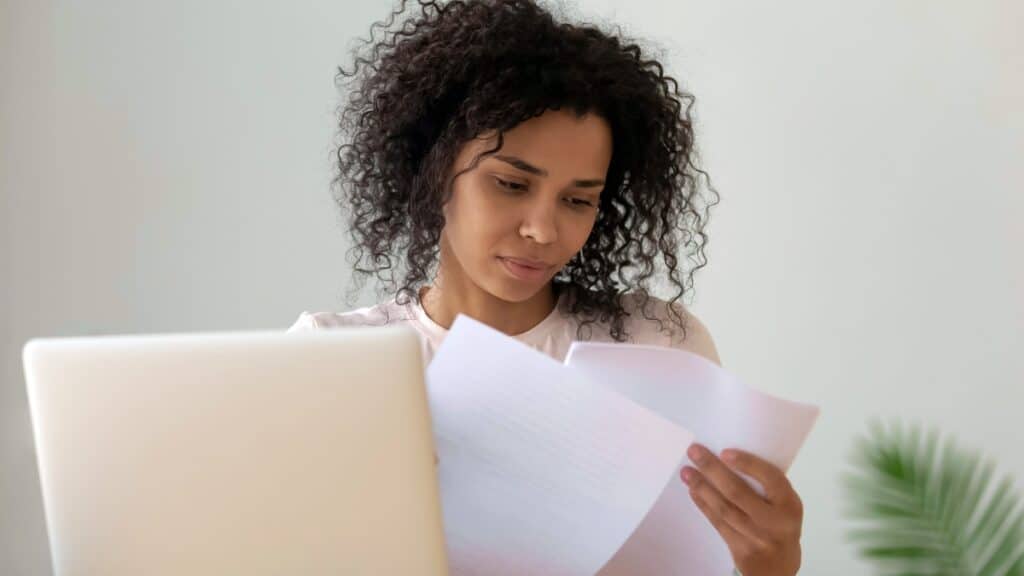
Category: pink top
[553,335]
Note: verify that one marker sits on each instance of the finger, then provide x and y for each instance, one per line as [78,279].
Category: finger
[729,484]
[739,544]
[720,508]
[777,487]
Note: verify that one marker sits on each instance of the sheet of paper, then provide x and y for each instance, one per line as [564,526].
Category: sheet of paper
[541,472]
[722,412]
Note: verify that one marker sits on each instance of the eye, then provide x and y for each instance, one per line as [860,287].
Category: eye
[580,202]
[514,186]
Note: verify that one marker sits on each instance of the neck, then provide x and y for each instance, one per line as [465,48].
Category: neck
[451,295]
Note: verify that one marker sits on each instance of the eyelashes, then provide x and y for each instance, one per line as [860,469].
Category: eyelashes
[516,188]
[510,185]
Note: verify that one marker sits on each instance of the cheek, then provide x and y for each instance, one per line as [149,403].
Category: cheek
[577,234]
[474,223]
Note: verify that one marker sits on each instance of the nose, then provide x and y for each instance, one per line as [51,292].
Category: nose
[539,222]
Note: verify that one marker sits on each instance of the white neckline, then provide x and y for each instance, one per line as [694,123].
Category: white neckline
[436,332]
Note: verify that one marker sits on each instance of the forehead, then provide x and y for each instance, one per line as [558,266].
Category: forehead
[557,141]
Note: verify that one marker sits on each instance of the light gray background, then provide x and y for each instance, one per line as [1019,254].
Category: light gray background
[164,167]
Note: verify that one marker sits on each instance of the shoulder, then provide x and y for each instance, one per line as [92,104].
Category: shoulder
[381,314]
[656,323]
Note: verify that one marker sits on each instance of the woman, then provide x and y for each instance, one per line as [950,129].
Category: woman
[530,174]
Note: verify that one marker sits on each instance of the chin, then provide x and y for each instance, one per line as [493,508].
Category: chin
[512,294]
[500,284]
[514,291]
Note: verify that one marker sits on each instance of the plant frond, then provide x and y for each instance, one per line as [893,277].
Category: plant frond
[921,504]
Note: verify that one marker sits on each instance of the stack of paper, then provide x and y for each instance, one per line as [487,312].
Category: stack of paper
[551,468]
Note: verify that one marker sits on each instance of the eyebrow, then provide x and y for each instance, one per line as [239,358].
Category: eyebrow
[527,167]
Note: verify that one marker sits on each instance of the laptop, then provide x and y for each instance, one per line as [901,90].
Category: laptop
[226,453]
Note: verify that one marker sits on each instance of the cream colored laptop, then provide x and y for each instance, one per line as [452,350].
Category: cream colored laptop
[248,453]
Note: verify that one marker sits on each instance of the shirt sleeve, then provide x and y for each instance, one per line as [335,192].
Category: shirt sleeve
[304,323]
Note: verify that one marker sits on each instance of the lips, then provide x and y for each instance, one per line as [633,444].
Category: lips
[526,269]
[528,263]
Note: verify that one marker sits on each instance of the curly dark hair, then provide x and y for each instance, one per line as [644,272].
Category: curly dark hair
[464,68]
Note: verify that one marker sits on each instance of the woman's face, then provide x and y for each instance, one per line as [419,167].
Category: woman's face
[525,210]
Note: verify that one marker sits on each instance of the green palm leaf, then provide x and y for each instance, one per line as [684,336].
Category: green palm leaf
[921,505]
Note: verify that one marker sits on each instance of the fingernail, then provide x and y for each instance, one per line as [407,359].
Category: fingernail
[697,453]
[687,475]
[729,456]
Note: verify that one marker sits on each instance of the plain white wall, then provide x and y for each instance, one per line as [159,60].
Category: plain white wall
[164,166]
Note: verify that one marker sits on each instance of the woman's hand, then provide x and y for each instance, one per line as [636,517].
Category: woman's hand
[763,533]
